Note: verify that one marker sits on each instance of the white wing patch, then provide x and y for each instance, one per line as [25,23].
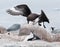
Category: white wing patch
[13,9]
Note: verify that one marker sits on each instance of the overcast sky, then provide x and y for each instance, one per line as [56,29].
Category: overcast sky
[50,7]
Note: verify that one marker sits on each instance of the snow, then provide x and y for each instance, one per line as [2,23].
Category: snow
[13,40]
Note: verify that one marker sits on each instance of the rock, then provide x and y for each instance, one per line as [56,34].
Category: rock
[56,31]
[14,27]
[2,30]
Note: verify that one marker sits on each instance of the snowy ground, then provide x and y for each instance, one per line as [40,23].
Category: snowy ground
[14,41]
[38,43]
